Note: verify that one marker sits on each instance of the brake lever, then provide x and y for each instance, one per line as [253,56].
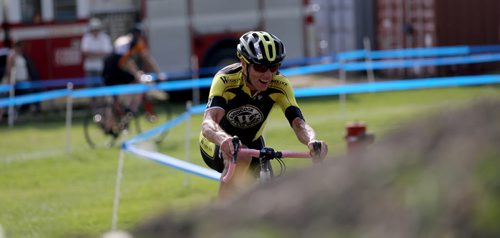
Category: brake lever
[236,146]
[317,151]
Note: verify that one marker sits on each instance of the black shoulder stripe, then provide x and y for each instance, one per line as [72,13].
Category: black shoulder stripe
[293,112]
[216,101]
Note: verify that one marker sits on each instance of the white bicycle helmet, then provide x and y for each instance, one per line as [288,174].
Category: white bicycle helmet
[260,47]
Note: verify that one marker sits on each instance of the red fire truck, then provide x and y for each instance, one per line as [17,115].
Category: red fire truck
[51,31]
[176,30]
[210,30]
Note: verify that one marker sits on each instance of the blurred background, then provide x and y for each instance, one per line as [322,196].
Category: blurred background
[180,31]
[53,183]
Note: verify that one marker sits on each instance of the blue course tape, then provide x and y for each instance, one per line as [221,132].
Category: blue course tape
[157,130]
[86,81]
[480,49]
[165,127]
[141,88]
[418,52]
[4,88]
[311,69]
[176,163]
[112,90]
[34,97]
[410,84]
[390,64]
[165,159]
[184,84]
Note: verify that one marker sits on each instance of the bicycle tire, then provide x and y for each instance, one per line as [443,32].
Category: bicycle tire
[93,127]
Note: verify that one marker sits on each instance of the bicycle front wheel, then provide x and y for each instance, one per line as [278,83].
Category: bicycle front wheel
[95,135]
[266,172]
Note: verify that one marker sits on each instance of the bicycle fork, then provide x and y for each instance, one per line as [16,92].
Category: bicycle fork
[265,170]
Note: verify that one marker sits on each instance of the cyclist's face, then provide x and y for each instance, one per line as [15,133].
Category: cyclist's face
[260,76]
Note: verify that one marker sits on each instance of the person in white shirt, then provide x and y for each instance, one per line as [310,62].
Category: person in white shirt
[96,45]
[19,69]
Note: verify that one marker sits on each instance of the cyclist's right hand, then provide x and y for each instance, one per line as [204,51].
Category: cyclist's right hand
[144,78]
[227,149]
[319,150]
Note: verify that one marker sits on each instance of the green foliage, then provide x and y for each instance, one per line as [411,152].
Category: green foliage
[46,191]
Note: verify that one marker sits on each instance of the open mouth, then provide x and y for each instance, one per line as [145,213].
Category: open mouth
[264,82]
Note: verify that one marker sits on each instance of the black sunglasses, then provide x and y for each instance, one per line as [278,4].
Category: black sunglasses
[262,68]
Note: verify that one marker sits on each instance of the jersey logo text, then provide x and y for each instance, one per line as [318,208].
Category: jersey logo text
[245,116]
[226,80]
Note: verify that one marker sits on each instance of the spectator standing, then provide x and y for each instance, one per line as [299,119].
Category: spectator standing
[96,45]
[4,53]
[21,69]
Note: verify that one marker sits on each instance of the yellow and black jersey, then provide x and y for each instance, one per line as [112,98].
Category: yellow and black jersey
[246,114]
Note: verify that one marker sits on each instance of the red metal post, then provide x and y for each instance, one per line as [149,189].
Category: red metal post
[356,136]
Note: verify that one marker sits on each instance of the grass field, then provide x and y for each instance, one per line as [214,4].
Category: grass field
[48,192]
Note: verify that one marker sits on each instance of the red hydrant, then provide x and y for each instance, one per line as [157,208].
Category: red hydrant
[357,137]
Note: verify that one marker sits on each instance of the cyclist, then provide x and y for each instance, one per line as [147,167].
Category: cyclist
[240,99]
[122,67]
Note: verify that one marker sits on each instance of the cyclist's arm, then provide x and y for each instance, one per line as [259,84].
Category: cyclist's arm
[214,133]
[149,62]
[303,131]
[306,135]
[127,63]
[131,67]
[215,111]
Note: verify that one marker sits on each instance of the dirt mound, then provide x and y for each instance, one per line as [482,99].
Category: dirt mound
[437,177]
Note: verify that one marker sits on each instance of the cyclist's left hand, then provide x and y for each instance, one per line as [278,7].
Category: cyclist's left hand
[318,154]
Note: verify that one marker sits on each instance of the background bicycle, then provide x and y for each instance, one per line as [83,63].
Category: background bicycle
[155,109]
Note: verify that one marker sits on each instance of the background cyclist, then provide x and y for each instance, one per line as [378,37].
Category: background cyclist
[126,64]
[240,100]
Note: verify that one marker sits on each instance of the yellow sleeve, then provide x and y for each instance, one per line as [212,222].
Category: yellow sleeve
[287,96]
[217,88]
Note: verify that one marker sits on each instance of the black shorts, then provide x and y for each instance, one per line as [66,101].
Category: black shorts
[214,160]
[113,74]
